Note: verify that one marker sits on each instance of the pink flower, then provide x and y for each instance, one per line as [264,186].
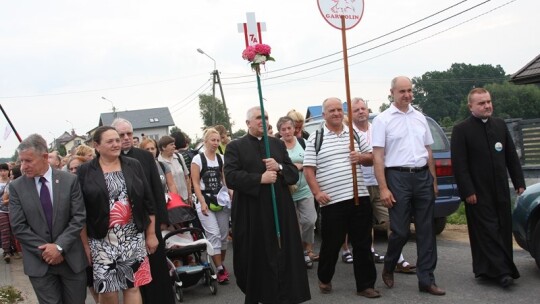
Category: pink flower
[262,49]
[249,53]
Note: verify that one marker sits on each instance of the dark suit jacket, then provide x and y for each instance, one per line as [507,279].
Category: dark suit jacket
[30,226]
[96,195]
[151,173]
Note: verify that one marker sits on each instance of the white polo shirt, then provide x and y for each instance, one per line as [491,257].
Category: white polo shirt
[403,137]
[334,173]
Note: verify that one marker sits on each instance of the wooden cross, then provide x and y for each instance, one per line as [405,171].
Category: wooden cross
[252,30]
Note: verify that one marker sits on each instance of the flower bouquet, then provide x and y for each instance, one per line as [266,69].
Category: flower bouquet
[257,54]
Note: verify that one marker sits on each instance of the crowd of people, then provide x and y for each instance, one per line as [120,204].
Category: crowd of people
[94,218]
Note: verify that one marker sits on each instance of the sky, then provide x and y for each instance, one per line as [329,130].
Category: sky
[59,58]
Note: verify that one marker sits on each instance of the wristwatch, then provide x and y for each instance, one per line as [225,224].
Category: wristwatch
[60,249]
[280,168]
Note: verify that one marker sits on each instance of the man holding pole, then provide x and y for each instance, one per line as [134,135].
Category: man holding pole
[328,169]
[268,266]
[405,172]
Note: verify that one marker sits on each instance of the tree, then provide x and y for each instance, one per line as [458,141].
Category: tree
[515,101]
[175,129]
[384,106]
[206,102]
[442,94]
[239,133]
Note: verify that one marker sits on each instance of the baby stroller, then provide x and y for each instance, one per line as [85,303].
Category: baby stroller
[187,251]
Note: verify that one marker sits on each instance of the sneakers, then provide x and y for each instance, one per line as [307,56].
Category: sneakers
[347,257]
[7,258]
[223,276]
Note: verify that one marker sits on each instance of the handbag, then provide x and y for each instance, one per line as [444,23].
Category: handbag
[211,201]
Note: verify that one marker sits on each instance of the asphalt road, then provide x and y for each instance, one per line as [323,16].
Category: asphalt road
[454,273]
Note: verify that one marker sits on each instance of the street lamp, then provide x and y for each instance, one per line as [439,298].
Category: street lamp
[217,80]
[112,104]
[202,52]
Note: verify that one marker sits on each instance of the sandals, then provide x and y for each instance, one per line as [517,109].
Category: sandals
[308,261]
[377,258]
[347,258]
[313,256]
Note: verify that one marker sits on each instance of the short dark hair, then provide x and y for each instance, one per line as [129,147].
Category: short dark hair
[179,139]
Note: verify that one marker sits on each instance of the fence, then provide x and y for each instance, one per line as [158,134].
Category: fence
[526,135]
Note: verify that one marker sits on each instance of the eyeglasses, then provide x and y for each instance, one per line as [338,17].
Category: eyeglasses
[128,134]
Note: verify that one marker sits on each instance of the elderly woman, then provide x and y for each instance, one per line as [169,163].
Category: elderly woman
[120,220]
[178,166]
[302,196]
[207,176]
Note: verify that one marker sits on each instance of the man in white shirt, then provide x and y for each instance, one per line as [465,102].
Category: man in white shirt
[405,172]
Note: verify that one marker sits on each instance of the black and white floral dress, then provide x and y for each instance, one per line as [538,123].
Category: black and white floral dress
[119,259]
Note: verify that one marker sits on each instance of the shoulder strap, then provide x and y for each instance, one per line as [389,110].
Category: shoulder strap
[204,163]
[357,138]
[180,159]
[302,143]
[162,165]
[220,162]
[220,150]
[318,140]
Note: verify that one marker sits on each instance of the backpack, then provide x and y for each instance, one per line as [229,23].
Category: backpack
[205,163]
[319,139]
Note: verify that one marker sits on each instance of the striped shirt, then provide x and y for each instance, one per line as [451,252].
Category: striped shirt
[333,173]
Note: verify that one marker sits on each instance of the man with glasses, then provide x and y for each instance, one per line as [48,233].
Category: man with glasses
[153,292]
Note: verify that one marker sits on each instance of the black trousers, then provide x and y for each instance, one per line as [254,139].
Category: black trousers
[340,219]
[414,197]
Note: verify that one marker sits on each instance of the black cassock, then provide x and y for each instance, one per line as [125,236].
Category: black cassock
[482,154]
[264,272]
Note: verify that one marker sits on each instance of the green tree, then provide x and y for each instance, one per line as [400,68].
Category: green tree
[15,156]
[239,133]
[206,103]
[515,101]
[384,106]
[442,94]
[175,129]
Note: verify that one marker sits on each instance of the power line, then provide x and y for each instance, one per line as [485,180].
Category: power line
[102,89]
[363,43]
[382,44]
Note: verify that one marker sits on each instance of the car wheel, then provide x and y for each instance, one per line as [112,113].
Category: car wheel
[535,244]
[439,223]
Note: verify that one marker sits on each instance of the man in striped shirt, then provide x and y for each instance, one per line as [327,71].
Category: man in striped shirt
[328,170]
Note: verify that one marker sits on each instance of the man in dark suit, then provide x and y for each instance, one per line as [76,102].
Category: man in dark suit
[47,215]
[482,153]
[153,292]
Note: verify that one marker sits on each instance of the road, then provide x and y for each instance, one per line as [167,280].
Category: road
[454,273]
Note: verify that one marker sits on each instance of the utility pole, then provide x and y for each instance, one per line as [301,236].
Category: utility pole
[216,79]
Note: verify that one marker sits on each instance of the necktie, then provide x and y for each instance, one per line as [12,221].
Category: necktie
[46,203]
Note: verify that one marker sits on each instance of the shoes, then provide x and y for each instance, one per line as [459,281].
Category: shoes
[7,258]
[388,278]
[433,289]
[405,268]
[369,293]
[347,258]
[505,281]
[308,261]
[223,276]
[377,258]
[325,288]
[16,256]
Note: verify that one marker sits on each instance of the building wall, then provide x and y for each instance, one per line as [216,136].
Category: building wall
[155,133]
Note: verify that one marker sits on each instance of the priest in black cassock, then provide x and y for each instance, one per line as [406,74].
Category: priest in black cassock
[264,272]
[482,154]
[158,290]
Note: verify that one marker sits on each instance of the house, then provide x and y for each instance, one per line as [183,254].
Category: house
[68,140]
[153,123]
[529,74]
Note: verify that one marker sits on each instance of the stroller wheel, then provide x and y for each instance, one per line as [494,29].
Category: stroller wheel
[179,293]
[211,281]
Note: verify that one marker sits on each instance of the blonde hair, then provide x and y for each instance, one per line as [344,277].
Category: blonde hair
[209,132]
[82,150]
[295,115]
